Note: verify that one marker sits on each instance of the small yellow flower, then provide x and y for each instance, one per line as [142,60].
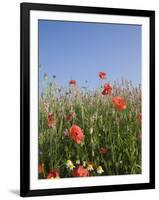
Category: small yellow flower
[100,170]
[69,163]
[71,167]
[90,167]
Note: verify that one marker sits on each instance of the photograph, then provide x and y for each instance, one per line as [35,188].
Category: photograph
[89,99]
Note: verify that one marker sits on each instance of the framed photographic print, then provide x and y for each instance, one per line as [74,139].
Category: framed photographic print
[87,99]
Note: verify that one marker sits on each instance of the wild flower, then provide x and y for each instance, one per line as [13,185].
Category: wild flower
[76,134]
[90,167]
[102,75]
[70,116]
[53,174]
[40,168]
[119,103]
[100,170]
[107,89]
[72,82]
[80,171]
[70,165]
[51,120]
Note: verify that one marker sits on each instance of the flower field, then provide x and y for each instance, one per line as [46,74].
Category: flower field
[89,133]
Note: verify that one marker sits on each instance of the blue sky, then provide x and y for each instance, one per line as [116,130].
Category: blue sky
[76,50]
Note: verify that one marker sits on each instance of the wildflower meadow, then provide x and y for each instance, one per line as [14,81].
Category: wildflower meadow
[84,132]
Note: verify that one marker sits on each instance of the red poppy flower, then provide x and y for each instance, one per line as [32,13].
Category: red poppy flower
[80,171]
[102,75]
[76,134]
[72,82]
[51,120]
[53,174]
[40,168]
[107,89]
[119,103]
[70,116]
[104,150]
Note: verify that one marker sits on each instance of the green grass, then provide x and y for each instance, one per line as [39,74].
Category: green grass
[102,124]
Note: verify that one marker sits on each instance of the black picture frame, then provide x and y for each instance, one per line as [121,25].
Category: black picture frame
[25,86]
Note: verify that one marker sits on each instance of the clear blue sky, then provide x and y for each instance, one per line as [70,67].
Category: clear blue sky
[76,50]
